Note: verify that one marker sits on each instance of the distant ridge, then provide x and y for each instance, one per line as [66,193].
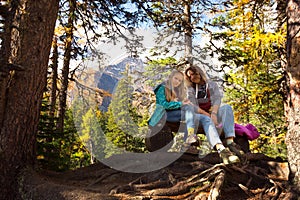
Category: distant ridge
[108,80]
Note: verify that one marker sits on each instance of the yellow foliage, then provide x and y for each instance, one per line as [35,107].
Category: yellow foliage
[59,30]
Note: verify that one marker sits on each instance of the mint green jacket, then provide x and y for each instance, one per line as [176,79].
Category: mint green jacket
[162,105]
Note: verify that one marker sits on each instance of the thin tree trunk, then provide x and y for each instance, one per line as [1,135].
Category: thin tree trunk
[188,32]
[30,36]
[66,67]
[293,90]
[54,77]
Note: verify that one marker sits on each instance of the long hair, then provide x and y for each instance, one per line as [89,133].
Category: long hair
[194,69]
[173,93]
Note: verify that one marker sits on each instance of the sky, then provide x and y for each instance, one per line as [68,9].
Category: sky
[114,53]
[118,51]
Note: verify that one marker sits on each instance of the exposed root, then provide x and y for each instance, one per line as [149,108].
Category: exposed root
[200,180]
[189,178]
[216,187]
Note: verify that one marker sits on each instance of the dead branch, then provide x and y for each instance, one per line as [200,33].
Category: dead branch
[102,93]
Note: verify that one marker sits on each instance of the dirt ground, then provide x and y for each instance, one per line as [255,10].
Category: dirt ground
[189,177]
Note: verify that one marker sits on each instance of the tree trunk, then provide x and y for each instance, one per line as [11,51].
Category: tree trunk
[54,77]
[31,31]
[292,104]
[8,13]
[66,66]
[188,33]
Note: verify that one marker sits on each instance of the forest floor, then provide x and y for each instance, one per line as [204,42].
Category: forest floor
[189,177]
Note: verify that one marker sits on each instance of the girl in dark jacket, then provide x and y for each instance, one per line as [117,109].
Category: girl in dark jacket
[206,97]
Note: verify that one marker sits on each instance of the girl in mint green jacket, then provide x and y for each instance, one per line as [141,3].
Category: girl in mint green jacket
[172,104]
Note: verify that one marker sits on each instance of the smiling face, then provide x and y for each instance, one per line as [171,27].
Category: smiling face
[177,79]
[194,77]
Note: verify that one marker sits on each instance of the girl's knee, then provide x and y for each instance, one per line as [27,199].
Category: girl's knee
[227,107]
[207,120]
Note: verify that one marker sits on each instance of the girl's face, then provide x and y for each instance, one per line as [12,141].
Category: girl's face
[177,79]
[194,76]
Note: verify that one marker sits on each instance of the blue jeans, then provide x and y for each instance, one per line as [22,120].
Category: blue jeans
[209,128]
[224,116]
[193,120]
[175,115]
[186,113]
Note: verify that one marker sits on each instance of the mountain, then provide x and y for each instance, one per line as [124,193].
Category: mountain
[110,76]
[90,80]
[108,83]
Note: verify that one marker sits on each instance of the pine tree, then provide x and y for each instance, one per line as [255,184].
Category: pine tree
[123,122]
[92,135]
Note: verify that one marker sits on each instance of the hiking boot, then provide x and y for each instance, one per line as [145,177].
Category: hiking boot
[235,148]
[191,139]
[228,157]
[178,141]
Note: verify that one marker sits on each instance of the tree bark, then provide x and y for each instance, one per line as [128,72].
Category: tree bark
[292,104]
[30,36]
[8,12]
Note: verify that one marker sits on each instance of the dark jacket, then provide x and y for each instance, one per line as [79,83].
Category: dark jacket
[215,96]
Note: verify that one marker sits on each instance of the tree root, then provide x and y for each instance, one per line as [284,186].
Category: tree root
[188,178]
[200,180]
[216,187]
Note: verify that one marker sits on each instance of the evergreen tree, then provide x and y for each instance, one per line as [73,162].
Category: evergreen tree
[180,26]
[59,151]
[157,70]
[28,31]
[92,135]
[123,123]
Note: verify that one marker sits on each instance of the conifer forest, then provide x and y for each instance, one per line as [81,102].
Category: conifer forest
[78,82]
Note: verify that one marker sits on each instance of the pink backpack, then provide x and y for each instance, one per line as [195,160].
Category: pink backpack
[250,131]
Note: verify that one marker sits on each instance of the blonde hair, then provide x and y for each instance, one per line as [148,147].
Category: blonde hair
[194,69]
[170,90]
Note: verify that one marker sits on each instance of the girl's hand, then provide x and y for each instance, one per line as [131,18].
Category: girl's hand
[203,112]
[214,118]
